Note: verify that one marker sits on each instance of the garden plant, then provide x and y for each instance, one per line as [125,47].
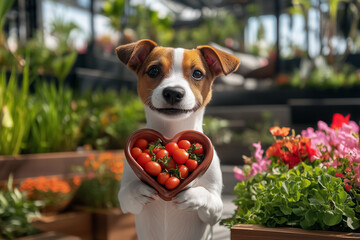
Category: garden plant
[16,213]
[100,180]
[310,181]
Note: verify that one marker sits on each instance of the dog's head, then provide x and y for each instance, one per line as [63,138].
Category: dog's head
[175,82]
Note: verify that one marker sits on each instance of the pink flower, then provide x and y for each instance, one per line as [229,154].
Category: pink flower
[259,166]
[239,173]
[354,126]
[262,162]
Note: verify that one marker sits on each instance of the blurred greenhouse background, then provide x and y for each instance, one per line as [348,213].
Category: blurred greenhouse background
[63,89]
[299,63]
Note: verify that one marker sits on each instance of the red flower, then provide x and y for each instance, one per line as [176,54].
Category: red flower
[340,175]
[291,150]
[339,120]
[348,187]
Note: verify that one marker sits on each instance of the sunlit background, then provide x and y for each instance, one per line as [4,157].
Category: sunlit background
[62,88]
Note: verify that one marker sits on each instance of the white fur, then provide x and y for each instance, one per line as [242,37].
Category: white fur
[191,213]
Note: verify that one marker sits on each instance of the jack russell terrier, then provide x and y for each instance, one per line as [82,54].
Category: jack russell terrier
[175,86]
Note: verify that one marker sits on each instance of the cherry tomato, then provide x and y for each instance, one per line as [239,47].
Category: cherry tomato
[156,150]
[184,171]
[172,183]
[199,149]
[152,168]
[171,164]
[141,143]
[160,155]
[135,152]
[147,151]
[143,159]
[180,156]
[162,177]
[184,144]
[171,147]
[191,164]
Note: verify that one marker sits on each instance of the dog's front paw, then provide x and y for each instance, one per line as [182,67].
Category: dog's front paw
[192,199]
[142,193]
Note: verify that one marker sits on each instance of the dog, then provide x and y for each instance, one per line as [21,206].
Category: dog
[175,85]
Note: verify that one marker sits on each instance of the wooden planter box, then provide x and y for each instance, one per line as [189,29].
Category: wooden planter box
[72,223]
[50,236]
[44,164]
[111,224]
[255,232]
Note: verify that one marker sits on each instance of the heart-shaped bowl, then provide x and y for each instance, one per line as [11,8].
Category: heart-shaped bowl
[152,135]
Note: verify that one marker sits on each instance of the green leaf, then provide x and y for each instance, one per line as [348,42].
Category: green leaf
[330,218]
[284,188]
[357,209]
[299,211]
[342,195]
[7,120]
[305,183]
[311,217]
[285,209]
[353,223]
[348,211]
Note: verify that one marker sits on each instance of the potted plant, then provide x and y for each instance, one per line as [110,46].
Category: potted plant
[16,213]
[309,181]
[56,194]
[97,194]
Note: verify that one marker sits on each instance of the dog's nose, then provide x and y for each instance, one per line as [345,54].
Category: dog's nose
[173,95]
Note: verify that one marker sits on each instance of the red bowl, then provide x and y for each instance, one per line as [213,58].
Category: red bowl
[152,135]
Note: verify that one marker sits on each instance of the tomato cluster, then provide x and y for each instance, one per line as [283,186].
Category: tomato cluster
[169,164]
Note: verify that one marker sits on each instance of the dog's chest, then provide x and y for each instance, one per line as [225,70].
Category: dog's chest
[162,220]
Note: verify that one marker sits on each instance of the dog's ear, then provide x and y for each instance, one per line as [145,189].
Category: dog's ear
[134,54]
[220,62]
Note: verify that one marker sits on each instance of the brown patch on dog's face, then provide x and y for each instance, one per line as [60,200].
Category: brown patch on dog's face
[201,88]
[160,57]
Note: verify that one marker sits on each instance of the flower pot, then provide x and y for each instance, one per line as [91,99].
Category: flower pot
[50,236]
[255,232]
[112,224]
[72,223]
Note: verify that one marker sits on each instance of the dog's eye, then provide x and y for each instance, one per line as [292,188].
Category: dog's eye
[197,75]
[154,71]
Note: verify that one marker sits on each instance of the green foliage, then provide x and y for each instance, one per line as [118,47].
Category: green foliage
[98,194]
[62,30]
[43,60]
[305,196]
[16,213]
[101,182]
[62,65]
[16,114]
[108,118]
[146,22]
[53,120]
[325,77]
[56,126]
[5,6]
[114,10]
[217,129]
[213,29]
[220,130]
[257,131]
